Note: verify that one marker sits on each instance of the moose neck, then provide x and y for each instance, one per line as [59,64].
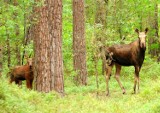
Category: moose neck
[142,49]
[141,52]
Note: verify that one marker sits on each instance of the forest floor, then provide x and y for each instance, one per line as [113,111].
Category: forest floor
[84,99]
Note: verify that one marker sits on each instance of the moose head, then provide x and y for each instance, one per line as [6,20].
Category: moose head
[142,38]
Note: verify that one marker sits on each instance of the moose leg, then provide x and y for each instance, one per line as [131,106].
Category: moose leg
[31,82]
[136,79]
[19,82]
[117,75]
[10,81]
[108,74]
[28,83]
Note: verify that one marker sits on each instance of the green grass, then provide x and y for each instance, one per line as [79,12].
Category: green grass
[84,99]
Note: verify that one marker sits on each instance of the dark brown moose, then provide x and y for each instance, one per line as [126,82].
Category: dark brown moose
[24,72]
[126,55]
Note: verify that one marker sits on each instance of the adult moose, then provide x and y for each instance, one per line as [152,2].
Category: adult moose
[127,55]
[24,72]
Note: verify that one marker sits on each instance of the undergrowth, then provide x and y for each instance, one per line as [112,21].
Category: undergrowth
[88,99]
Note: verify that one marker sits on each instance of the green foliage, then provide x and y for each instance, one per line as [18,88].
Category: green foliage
[67,36]
[154,46]
[15,18]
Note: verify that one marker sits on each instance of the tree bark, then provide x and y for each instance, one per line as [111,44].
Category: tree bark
[153,40]
[8,47]
[79,44]
[55,22]
[17,50]
[48,47]
[1,60]
[100,18]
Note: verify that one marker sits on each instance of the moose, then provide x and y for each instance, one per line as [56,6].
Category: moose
[24,72]
[131,54]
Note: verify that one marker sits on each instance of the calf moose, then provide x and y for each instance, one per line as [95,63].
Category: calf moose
[24,72]
[126,55]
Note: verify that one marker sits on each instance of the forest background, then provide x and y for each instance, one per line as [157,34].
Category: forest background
[106,23]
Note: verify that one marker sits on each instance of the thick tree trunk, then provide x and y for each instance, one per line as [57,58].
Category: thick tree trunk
[79,45]
[42,57]
[55,22]
[48,47]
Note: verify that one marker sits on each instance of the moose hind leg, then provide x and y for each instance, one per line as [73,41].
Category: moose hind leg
[117,75]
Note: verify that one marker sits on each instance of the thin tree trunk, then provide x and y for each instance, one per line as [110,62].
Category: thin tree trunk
[153,40]
[156,20]
[8,47]
[156,28]
[18,54]
[25,38]
[100,18]
[7,40]
[17,51]
[120,24]
[96,73]
[1,60]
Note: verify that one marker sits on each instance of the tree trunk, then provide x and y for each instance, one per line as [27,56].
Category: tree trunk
[153,40]
[18,54]
[48,47]
[1,60]
[120,23]
[25,39]
[79,46]
[101,19]
[55,20]
[7,40]
[156,20]
[17,50]
[156,29]
[8,47]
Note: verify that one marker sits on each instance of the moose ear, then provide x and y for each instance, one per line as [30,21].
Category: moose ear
[136,30]
[146,30]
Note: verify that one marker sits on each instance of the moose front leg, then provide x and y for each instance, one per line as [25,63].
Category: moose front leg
[136,79]
[108,74]
[117,75]
[28,84]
